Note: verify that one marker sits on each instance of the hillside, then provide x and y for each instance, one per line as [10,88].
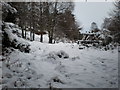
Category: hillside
[60,65]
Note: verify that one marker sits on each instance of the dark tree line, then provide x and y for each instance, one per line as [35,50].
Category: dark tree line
[113,23]
[55,18]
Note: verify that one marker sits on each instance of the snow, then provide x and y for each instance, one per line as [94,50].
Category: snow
[61,65]
[37,37]
[7,7]
[87,68]
[10,28]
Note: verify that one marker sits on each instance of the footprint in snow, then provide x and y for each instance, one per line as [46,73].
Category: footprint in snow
[104,69]
[93,72]
[114,69]
[90,84]
[39,76]
[112,83]
[84,69]
[104,65]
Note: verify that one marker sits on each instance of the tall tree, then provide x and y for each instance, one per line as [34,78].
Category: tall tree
[68,25]
[113,23]
[55,9]
[46,16]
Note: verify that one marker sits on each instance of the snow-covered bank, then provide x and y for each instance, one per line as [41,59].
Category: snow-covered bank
[61,65]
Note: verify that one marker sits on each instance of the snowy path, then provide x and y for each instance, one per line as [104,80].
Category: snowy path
[84,68]
[42,67]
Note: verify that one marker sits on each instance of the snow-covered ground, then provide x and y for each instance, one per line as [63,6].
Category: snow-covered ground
[79,69]
[61,65]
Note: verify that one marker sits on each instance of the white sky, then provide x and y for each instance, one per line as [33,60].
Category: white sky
[88,12]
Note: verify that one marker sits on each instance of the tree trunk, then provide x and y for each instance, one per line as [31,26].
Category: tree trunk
[25,32]
[54,24]
[41,20]
[30,32]
[50,39]
[22,33]
[41,38]
[30,35]
[33,36]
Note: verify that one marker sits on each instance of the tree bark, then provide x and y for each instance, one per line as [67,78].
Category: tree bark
[33,36]
[30,35]
[41,38]
[50,39]
[54,23]
[22,33]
